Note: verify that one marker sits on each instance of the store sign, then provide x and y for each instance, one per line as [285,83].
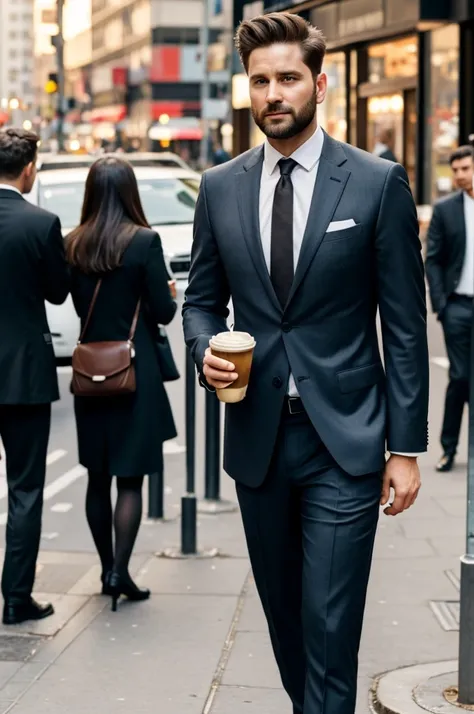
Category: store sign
[359,16]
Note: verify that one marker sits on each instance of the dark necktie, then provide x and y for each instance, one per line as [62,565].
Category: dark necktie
[281,255]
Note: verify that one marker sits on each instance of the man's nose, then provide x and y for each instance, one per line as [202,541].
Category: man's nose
[274,93]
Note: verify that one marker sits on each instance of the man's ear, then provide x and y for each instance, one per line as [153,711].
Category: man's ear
[28,170]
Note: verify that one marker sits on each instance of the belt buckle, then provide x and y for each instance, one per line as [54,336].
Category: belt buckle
[291,401]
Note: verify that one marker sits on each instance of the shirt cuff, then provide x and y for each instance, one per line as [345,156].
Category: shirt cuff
[412,456]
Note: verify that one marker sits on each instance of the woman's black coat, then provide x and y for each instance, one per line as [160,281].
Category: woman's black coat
[123,435]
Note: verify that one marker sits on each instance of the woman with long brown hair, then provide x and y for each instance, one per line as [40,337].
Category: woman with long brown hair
[120,435]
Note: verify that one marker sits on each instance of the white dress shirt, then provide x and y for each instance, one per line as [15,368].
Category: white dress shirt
[8,187]
[466,281]
[303,178]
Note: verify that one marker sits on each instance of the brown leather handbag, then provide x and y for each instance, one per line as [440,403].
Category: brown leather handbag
[104,369]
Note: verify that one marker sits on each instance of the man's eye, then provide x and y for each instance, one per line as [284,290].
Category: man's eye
[260,81]
[288,78]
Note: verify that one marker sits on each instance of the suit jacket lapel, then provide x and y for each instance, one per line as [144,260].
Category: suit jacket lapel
[248,198]
[330,184]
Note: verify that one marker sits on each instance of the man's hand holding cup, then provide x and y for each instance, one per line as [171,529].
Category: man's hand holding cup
[227,364]
[219,373]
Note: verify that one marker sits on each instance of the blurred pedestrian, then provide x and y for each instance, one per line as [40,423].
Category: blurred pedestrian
[309,237]
[450,272]
[385,145]
[120,435]
[221,156]
[32,269]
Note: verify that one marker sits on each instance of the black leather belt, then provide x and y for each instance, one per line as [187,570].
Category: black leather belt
[295,405]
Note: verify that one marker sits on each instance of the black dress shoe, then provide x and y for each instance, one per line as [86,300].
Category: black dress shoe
[445,463]
[13,614]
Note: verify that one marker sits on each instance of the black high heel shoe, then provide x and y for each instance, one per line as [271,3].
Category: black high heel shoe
[105,583]
[117,586]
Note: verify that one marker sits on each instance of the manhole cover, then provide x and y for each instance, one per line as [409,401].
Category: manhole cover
[17,648]
[447,614]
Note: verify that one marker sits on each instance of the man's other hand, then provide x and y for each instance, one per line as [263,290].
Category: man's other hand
[403,475]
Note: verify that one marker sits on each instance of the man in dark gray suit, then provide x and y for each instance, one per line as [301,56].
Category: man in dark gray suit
[309,237]
[450,273]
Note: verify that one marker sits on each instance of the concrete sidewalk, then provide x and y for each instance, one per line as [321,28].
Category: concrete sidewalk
[200,645]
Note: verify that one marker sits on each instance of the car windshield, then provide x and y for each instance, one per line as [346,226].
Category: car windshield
[167,201]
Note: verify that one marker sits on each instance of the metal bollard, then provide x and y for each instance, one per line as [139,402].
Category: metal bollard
[212,472]
[156,494]
[188,501]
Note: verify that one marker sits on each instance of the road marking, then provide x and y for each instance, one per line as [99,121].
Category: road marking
[55,456]
[61,507]
[66,369]
[51,459]
[56,486]
[172,447]
[49,536]
[63,482]
[440,362]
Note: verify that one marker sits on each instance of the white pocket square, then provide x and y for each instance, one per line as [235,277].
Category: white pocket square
[341,225]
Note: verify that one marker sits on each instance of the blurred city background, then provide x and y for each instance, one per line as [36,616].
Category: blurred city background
[162,75]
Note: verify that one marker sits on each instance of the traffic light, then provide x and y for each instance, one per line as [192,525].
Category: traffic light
[51,86]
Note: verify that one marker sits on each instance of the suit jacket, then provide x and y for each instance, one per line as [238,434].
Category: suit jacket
[125,434]
[445,249]
[326,335]
[33,269]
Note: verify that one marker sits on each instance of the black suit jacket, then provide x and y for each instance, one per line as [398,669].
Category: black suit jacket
[445,249]
[327,333]
[32,269]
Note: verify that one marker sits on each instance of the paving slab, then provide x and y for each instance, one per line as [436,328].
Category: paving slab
[251,700]
[155,656]
[395,546]
[251,663]
[216,576]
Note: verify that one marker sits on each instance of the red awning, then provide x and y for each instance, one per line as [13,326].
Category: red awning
[112,114]
[171,132]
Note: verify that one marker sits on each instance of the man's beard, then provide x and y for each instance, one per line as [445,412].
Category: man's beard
[286,129]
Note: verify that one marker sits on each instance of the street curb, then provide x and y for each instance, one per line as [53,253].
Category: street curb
[393,692]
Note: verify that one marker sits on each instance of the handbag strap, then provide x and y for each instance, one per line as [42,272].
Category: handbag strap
[91,308]
[135,320]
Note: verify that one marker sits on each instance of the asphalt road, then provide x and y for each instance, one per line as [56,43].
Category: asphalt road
[64,525]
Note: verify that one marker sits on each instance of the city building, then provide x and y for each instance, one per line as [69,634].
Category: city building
[402,65]
[45,27]
[16,61]
[135,71]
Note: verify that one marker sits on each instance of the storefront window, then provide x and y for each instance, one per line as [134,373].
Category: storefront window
[332,112]
[392,60]
[445,105]
[391,105]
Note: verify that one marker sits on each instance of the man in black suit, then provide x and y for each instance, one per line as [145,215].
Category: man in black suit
[32,269]
[309,237]
[450,272]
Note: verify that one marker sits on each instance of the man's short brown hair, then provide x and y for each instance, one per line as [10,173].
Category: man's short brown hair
[278,28]
[18,148]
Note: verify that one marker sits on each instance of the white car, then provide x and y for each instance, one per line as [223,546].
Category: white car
[168,196]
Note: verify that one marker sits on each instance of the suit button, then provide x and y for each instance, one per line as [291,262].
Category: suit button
[277,382]
[286,327]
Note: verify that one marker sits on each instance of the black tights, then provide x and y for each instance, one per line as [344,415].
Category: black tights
[125,521]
